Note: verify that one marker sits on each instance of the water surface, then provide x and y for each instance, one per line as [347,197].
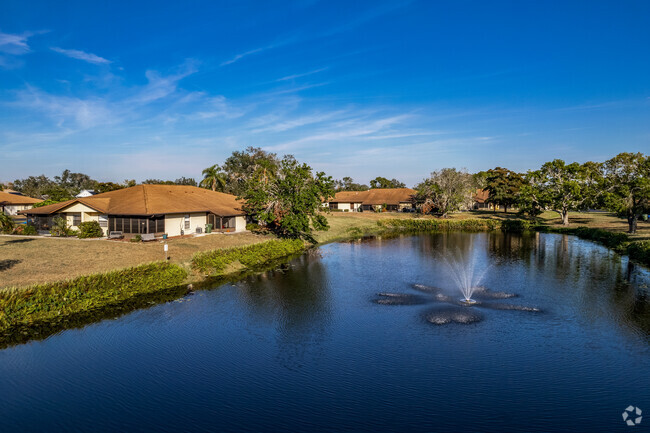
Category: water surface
[308,347]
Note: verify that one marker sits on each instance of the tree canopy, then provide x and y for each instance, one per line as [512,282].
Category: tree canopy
[348,184]
[240,167]
[503,186]
[382,182]
[289,202]
[563,187]
[213,178]
[447,190]
[627,186]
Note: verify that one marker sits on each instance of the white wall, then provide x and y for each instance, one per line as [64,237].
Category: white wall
[175,222]
[12,209]
[240,223]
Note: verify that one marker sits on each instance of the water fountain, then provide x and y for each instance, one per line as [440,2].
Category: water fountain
[465,276]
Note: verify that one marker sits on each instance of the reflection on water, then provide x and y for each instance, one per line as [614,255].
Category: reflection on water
[303,347]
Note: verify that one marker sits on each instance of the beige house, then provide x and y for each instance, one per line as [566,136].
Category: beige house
[13,202]
[390,199]
[159,209]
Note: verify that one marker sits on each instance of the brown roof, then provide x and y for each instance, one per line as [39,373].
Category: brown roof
[349,197]
[6,198]
[481,195]
[153,200]
[376,196]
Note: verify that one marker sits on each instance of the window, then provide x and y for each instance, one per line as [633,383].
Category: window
[229,223]
[76,219]
[103,221]
[187,222]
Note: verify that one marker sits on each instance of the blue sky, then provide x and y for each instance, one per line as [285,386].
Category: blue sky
[366,88]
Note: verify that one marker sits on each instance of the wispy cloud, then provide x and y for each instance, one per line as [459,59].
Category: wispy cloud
[305,74]
[242,55]
[14,44]
[82,55]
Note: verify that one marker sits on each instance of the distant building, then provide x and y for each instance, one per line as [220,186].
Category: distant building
[145,209]
[86,193]
[390,199]
[12,202]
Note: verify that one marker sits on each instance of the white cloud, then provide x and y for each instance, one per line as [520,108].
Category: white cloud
[242,55]
[14,44]
[82,55]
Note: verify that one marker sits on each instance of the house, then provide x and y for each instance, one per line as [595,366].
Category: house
[12,202]
[86,193]
[159,209]
[390,199]
[347,201]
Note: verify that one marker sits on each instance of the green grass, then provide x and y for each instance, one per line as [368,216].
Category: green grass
[43,305]
[222,261]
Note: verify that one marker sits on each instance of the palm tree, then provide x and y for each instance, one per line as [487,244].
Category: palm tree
[6,223]
[213,178]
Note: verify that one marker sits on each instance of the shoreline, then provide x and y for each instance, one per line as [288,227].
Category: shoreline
[240,263]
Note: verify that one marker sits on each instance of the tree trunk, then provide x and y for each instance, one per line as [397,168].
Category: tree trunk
[505,208]
[631,222]
[565,217]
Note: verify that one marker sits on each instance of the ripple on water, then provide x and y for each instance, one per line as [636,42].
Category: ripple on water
[400,299]
[485,293]
[446,315]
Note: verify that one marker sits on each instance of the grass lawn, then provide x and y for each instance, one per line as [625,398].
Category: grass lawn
[29,260]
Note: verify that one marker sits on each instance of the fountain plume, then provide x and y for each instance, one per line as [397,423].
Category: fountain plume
[464,274]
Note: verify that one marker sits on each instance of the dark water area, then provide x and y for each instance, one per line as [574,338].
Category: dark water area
[361,336]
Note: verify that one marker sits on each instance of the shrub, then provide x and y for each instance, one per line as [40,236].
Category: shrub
[60,227]
[424,225]
[216,261]
[90,229]
[252,227]
[639,251]
[30,230]
[136,238]
[6,223]
[517,226]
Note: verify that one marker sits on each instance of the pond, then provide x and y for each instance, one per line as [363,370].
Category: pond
[361,336]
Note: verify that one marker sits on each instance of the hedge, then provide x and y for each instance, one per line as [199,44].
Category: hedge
[215,261]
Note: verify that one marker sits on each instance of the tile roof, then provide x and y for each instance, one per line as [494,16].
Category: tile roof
[481,195]
[376,196]
[7,199]
[153,200]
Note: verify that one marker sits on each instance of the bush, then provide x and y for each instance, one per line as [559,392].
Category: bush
[55,302]
[424,225]
[517,226]
[90,229]
[639,251]
[30,230]
[252,227]
[6,223]
[60,227]
[136,238]
[216,261]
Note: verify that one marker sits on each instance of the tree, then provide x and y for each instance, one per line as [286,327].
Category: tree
[627,186]
[241,166]
[73,183]
[563,187]
[289,203]
[185,181]
[157,182]
[33,186]
[108,186]
[446,190]
[213,178]
[382,182]
[504,186]
[348,184]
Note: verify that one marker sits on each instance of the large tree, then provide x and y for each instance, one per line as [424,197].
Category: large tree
[242,165]
[33,186]
[627,186]
[503,186]
[447,190]
[213,178]
[563,187]
[289,202]
[382,182]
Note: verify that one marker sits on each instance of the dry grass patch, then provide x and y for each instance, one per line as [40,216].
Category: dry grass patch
[27,260]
